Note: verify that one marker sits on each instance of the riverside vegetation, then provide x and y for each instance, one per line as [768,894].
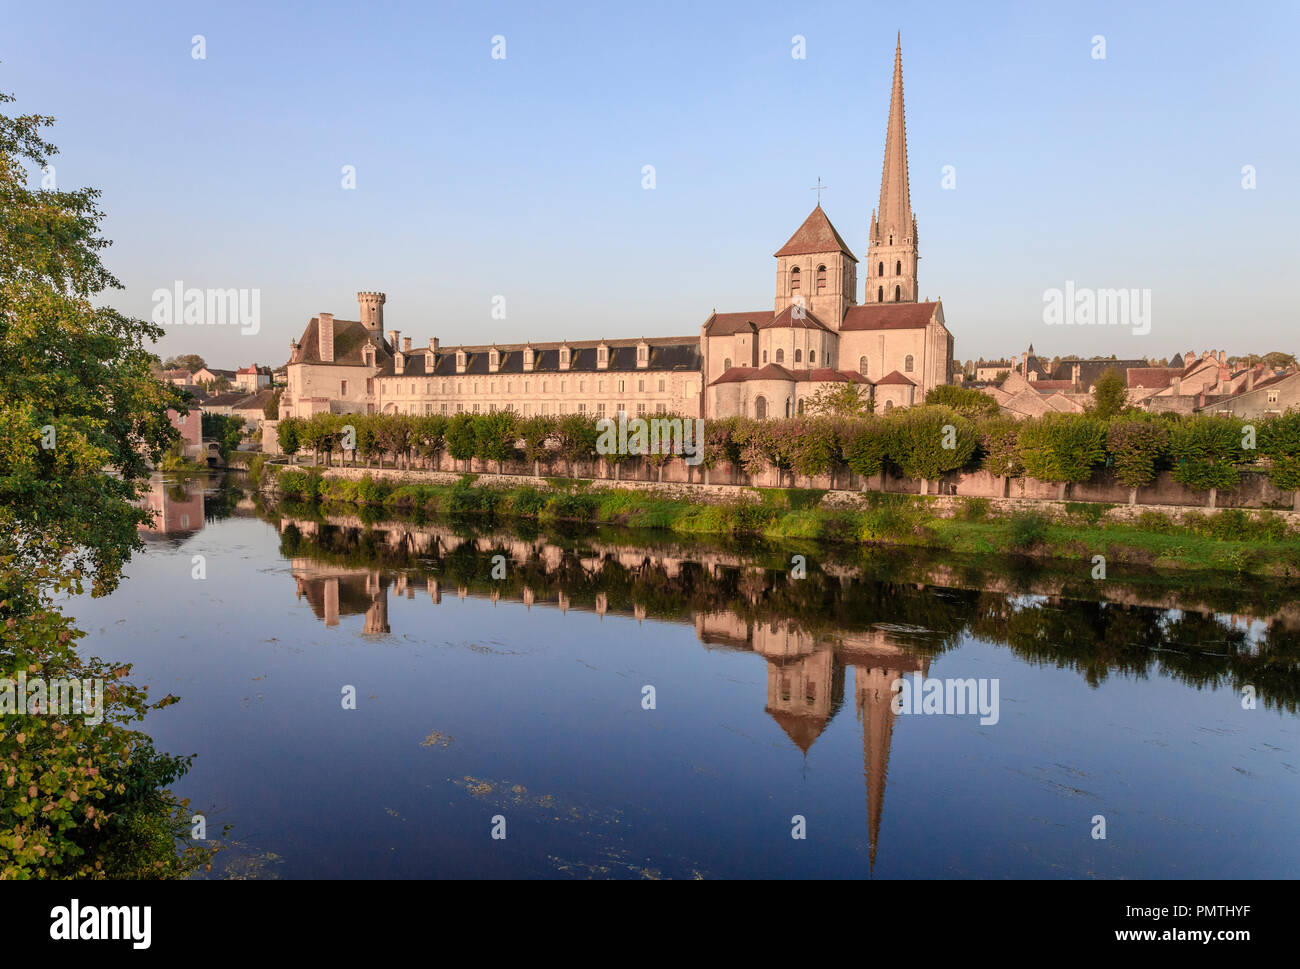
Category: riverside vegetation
[82,418]
[958,430]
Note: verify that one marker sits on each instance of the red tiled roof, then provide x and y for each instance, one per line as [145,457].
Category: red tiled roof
[786,318]
[894,377]
[888,316]
[815,235]
[1043,385]
[725,324]
[1151,376]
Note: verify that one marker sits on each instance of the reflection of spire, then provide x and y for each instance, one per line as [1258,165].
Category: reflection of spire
[877,715]
[332,601]
[435,591]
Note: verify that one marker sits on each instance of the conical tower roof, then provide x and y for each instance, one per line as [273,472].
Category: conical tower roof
[894,213]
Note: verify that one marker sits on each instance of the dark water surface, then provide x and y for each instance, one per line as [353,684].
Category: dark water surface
[522,698]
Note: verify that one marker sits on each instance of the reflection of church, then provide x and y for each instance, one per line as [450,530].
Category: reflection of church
[805,673]
[805,687]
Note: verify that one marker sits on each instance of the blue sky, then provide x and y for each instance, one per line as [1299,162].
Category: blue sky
[522,177]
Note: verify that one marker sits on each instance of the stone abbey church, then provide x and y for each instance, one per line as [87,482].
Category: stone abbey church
[764,363]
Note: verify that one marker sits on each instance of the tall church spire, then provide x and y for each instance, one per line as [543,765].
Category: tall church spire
[895,211]
[891,270]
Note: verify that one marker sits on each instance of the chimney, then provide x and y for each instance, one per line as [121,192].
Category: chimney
[325,333]
[1223,357]
[433,344]
[406,345]
[1075,372]
[396,338]
[1178,386]
[1250,378]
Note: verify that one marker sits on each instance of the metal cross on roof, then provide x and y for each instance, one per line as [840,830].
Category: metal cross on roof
[819,188]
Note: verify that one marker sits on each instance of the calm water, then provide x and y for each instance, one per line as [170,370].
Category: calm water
[522,697]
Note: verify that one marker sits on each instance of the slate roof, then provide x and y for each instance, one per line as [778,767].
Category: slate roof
[349,337]
[1091,370]
[666,353]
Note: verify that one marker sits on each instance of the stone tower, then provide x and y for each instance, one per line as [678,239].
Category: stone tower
[372,311]
[891,248]
[817,268]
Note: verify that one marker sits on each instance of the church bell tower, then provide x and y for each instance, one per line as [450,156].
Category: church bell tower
[892,252]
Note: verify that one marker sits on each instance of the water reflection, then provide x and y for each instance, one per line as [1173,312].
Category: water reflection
[382,588]
[809,631]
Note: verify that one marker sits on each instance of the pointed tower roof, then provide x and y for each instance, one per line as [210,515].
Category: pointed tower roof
[895,211]
[815,235]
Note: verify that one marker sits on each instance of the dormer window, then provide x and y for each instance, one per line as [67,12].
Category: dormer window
[566,355]
[528,358]
[460,361]
[368,355]
[794,280]
[602,357]
[494,359]
[643,354]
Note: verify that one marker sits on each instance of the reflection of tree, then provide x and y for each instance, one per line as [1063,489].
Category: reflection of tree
[1069,629]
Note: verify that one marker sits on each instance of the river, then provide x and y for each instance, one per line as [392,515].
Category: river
[541,703]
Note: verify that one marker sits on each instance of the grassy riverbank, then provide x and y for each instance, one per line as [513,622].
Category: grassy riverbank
[1234,541]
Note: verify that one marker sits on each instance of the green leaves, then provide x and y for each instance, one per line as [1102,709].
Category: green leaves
[1062,447]
[1206,451]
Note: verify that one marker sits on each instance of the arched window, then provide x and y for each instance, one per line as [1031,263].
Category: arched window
[726,364]
[812,356]
[765,356]
[907,363]
[898,293]
[780,356]
[801,406]
[862,366]
[794,280]
[787,407]
[880,294]
[880,269]
[760,407]
[898,268]
[798,356]
[889,405]
[821,279]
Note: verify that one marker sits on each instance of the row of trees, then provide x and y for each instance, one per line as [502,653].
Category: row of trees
[1202,452]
